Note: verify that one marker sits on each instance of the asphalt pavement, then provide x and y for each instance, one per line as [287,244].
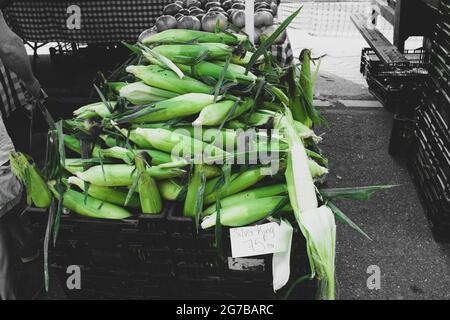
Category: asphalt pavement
[411,264]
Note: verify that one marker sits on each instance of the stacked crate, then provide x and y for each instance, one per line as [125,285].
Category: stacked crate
[431,163]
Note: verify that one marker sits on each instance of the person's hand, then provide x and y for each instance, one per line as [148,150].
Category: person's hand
[34,88]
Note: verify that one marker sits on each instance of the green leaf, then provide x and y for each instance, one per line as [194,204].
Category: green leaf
[132,188]
[353,193]
[295,284]
[342,217]
[60,188]
[102,97]
[133,48]
[221,77]
[199,199]
[48,233]
[163,61]
[269,41]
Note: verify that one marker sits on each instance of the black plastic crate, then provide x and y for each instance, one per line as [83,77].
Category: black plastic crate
[435,94]
[395,86]
[100,286]
[200,267]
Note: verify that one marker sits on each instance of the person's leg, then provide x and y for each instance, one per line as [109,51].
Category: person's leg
[23,236]
[7,276]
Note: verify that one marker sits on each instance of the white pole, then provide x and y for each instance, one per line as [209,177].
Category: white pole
[249,19]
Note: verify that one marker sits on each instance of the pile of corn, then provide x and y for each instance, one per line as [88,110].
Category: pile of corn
[168,129]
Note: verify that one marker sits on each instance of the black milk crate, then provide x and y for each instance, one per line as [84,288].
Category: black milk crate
[436,95]
[134,246]
[98,286]
[442,35]
[395,85]
[204,272]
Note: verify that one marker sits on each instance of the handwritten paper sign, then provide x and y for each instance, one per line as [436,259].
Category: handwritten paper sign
[256,240]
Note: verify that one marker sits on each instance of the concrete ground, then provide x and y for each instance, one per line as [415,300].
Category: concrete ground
[412,264]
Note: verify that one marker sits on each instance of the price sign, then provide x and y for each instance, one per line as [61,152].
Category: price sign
[255,240]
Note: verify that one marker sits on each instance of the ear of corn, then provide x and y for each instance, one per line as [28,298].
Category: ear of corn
[179,36]
[36,188]
[170,189]
[166,79]
[242,214]
[188,53]
[117,175]
[73,165]
[148,190]
[167,141]
[215,114]
[97,109]
[181,106]
[191,205]
[140,93]
[240,183]
[243,197]
[91,207]
[209,69]
[107,194]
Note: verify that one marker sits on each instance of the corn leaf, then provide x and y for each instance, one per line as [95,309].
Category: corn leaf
[102,97]
[343,218]
[132,188]
[221,78]
[353,193]
[295,284]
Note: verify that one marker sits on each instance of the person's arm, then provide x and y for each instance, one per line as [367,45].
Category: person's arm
[15,58]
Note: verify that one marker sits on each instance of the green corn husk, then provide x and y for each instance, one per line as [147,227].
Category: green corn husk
[138,140]
[148,190]
[73,165]
[189,54]
[211,171]
[243,181]
[195,182]
[215,114]
[316,170]
[139,93]
[158,77]
[182,145]
[236,69]
[181,106]
[72,143]
[209,69]
[307,84]
[317,224]
[243,197]
[180,36]
[245,213]
[97,109]
[122,175]
[107,194]
[116,86]
[224,139]
[170,189]
[89,206]
[246,59]
[211,184]
[37,191]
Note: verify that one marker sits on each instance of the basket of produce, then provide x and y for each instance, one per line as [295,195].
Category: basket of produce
[208,125]
[206,15]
